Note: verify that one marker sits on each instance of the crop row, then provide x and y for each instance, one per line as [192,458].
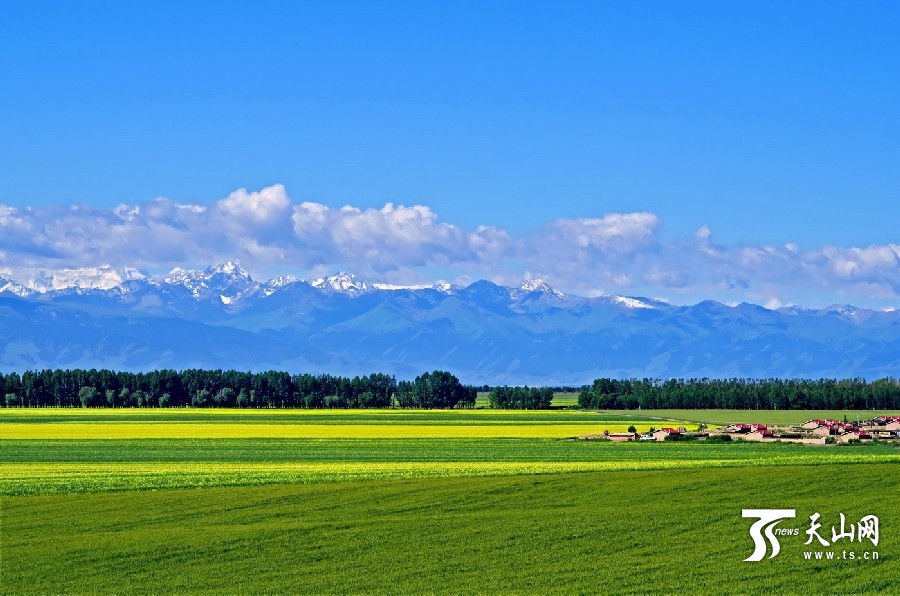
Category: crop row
[399,450]
[54,478]
[667,531]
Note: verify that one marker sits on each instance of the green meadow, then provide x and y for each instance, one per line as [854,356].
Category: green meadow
[622,532]
[309,510]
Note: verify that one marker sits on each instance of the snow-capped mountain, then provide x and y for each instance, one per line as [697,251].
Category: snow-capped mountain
[342,282]
[11,287]
[227,282]
[443,286]
[632,302]
[276,283]
[104,277]
[537,285]
[220,317]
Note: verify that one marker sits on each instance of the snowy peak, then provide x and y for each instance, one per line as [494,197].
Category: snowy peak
[281,281]
[534,285]
[486,332]
[230,269]
[844,309]
[444,287]
[632,303]
[851,313]
[343,282]
[11,287]
[229,284]
[104,277]
[846,312]
[276,283]
[539,285]
[227,270]
[227,281]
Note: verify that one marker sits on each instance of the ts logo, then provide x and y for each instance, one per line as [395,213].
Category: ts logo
[768,519]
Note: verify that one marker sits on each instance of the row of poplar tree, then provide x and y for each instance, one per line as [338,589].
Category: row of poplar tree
[437,389]
[520,398]
[229,388]
[742,394]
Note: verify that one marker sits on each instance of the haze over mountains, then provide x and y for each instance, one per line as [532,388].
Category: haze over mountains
[222,318]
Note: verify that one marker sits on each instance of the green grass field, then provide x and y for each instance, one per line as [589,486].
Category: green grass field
[65,466]
[646,532]
[348,501]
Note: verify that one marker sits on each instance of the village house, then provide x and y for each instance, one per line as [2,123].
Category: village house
[842,432]
[883,423]
[885,420]
[738,428]
[854,435]
[742,428]
[832,428]
[662,433]
[882,427]
[826,431]
[759,435]
[885,435]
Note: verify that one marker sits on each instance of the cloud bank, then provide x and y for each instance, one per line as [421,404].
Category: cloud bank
[267,232]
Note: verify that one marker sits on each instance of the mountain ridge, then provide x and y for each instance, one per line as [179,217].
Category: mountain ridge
[220,317]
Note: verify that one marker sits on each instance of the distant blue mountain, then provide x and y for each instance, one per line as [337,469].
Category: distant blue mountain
[484,333]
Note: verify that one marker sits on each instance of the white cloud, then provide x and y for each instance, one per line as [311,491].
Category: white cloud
[587,253]
[392,237]
[269,205]
[266,231]
[859,264]
[9,218]
[615,232]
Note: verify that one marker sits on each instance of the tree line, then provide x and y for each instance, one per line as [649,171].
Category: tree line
[229,389]
[437,389]
[742,394]
[520,398]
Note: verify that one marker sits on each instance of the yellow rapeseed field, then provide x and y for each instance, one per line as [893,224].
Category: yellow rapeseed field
[63,477]
[49,478]
[276,412]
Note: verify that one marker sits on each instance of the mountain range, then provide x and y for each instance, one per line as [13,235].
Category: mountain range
[220,317]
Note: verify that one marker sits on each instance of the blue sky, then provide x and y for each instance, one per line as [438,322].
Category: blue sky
[749,126]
